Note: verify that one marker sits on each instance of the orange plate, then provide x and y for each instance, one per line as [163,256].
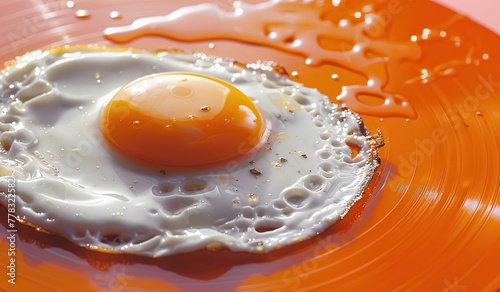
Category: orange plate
[430,220]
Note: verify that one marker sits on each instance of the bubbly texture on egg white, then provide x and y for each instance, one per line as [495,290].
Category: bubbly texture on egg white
[312,164]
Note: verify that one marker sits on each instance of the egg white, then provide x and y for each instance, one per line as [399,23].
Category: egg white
[299,182]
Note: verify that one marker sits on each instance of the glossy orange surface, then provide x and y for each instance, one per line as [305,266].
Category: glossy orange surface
[426,76]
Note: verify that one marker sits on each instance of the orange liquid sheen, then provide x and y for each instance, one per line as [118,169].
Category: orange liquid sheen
[302,29]
[427,77]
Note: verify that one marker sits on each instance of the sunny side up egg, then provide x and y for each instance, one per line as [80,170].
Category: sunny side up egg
[125,151]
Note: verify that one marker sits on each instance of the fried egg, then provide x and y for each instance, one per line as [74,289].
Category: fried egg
[126,151]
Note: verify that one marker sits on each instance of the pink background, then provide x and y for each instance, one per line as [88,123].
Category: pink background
[484,12]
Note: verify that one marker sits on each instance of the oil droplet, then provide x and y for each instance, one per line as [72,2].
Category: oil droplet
[236,203]
[98,78]
[136,124]
[82,13]
[425,75]
[260,246]
[211,45]
[425,33]
[478,113]
[294,73]
[281,136]
[253,198]
[70,4]
[115,15]
[335,77]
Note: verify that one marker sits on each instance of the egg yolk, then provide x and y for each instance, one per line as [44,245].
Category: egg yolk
[182,119]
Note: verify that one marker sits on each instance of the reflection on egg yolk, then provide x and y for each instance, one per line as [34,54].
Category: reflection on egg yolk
[182,119]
